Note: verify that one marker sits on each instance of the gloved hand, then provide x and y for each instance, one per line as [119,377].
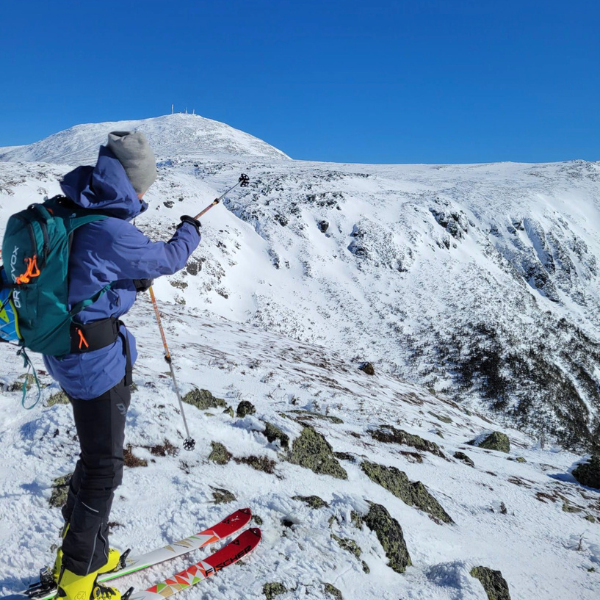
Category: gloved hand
[191,221]
[142,285]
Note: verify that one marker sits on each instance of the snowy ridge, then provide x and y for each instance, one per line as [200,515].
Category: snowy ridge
[170,136]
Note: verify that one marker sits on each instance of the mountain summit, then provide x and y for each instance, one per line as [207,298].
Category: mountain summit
[170,136]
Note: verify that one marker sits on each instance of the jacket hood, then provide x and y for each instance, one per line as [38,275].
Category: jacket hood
[104,187]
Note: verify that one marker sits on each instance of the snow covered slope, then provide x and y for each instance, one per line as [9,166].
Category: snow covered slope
[473,289]
[170,136]
[478,281]
[519,512]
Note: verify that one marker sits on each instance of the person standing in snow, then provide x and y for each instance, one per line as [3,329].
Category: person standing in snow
[96,375]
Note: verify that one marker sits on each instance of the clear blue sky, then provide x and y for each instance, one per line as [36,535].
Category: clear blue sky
[337,80]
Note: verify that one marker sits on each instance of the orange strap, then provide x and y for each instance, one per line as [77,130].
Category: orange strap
[32,271]
[82,339]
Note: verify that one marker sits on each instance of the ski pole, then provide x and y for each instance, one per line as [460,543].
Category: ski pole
[189,443]
[243,181]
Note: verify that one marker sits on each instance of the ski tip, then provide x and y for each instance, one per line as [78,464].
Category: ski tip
[256,531]
[246,511]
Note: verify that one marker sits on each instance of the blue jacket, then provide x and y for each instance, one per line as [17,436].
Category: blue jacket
[112,250]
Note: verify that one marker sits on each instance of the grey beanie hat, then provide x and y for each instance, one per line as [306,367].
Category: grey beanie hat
[136,156]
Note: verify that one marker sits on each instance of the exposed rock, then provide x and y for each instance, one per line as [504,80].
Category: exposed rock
[307,414]
[493,583]
[356,519]
[344,456]
[259,463]
[257,520]
[58,398]
[494,441]
[348,544]
[312,501]
[520,459]
[390,536]
[365,567]
[222,496]
[333,591]
[60,491]
[312,451]
[589,473]
[462,456]
[203,399]
[219,454]
[391,435]
[413,493]
[368,368]
[271,590]
[273,433]
[229,411]
[245,408]
[323,226]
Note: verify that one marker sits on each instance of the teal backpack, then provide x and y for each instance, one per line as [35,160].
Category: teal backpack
[34,284]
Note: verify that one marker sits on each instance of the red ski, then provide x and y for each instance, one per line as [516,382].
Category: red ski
[231,553]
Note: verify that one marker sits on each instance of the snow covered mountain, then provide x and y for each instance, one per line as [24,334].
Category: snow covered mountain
[170,136]
[473,290]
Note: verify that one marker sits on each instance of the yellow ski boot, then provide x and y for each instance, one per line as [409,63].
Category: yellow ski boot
[114,558]
[84,587]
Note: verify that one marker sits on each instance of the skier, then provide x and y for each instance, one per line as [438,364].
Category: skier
[96,375]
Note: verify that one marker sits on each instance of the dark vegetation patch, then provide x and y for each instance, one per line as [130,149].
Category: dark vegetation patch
[589,473]
[413,493]
[344,456]
[312,451]
[390,536]
[131,460]
[556,373]
[164,449]
[390,435]
[203,399]
[259,463]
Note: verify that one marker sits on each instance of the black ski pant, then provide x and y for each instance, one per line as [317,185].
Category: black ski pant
[100,426]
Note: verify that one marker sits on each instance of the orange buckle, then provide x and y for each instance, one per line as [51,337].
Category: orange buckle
[82,339]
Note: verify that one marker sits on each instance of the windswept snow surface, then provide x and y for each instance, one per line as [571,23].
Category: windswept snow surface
[474,284]
[535,544]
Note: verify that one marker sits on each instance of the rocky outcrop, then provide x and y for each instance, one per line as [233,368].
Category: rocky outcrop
[245,408]
[413,493]
[312,451]
[493,583]
[494,441]
[390,435]
[203,400]
[390,536]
